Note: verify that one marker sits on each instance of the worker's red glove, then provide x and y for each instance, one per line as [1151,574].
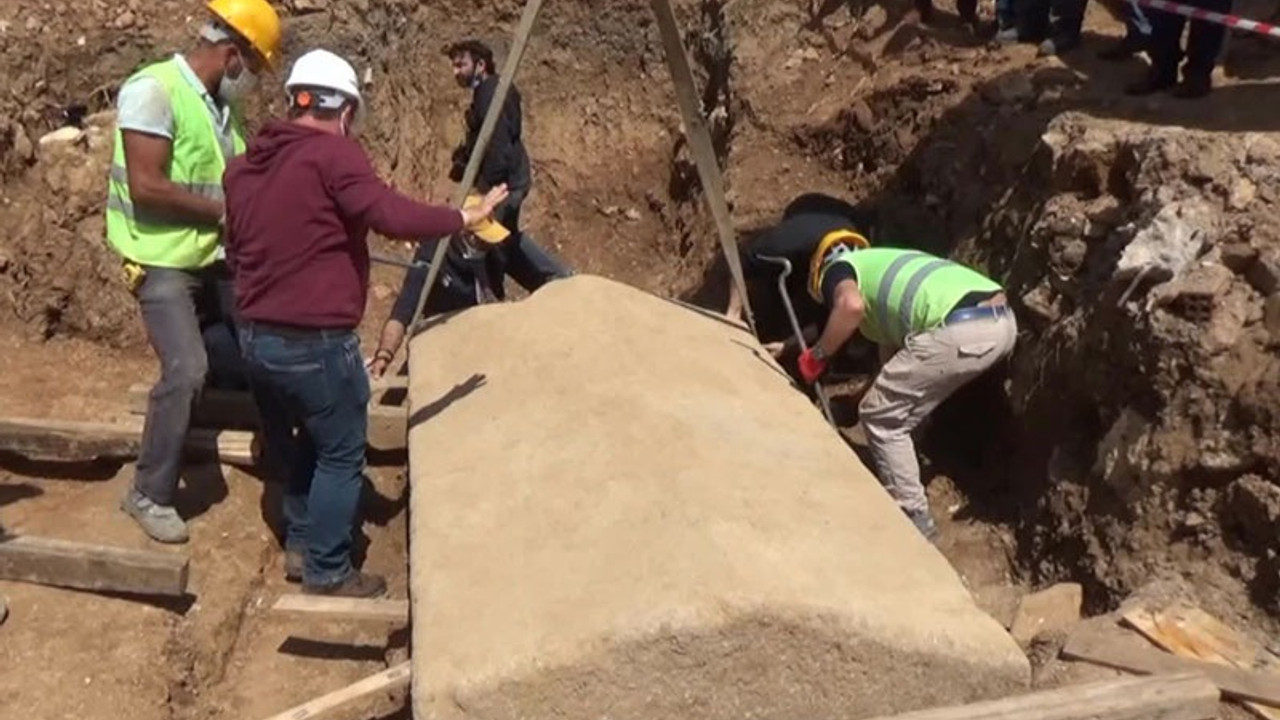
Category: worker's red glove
[811,368]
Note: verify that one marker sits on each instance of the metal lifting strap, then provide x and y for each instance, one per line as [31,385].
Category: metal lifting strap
[527,19]
[699,137]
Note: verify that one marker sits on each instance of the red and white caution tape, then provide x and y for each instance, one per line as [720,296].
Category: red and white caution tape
[1231,21]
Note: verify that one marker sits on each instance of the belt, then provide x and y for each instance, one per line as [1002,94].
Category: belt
[297,332]
[977,312]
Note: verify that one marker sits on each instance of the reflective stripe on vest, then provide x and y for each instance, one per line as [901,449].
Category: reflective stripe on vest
[907,291]
[196,165]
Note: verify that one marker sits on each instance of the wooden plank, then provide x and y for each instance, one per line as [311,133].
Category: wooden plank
[704,156]
[388,424]
[64,440]
[1185,696]
[74,441]
[1192,633]
[386,680]
[1117,649]
[46,561]
[396,611]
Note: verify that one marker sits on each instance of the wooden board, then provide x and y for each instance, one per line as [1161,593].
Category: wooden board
[1123,650]
[1190,632]
[1186,696]
[61,563]
[387,679]
[220,409]
[74,441]
[395,611]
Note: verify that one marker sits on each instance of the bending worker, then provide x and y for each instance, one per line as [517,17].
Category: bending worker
[178,125]
[300,205]
[939,325]
[463,282]
[812,225]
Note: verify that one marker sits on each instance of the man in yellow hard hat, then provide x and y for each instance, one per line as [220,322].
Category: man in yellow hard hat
[178,123]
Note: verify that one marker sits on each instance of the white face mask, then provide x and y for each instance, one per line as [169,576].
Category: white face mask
[232,90]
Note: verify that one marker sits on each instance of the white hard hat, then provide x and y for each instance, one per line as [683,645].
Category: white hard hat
[324,70]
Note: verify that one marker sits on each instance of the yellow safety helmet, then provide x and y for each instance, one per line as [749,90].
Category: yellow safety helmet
[255,21]
[817,262]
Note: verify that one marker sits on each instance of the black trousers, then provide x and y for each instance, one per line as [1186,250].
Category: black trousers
[1058,20]
[1204,42]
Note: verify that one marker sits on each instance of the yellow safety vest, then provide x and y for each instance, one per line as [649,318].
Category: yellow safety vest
[196,165]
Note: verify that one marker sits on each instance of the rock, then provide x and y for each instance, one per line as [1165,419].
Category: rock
[1253,507]
[22,146]
[1264,273]
[1168,242]
[873,20]
[62,136]
[1271,316]
[1237,256]
[1106,211]
[105,119]
[1010,88]
[678,431]
[1056,77]
[1067,253]
[999,601]
[1040,303]
[863,117]
[1055,609]
[125,20]
[632,214]
[1242,193]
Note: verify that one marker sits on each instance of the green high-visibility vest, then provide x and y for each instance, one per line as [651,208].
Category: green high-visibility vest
[196,165]
[907,291]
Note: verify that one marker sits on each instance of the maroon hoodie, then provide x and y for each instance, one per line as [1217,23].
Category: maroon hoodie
[300,204]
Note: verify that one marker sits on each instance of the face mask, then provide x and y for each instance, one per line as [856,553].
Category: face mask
[232,89]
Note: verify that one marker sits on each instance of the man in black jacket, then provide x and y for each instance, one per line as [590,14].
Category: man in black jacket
[505,161]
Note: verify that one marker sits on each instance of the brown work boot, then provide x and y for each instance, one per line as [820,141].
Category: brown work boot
[356,585]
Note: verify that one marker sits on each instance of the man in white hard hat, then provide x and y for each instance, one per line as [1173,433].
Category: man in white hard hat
[177,125]
[300,204]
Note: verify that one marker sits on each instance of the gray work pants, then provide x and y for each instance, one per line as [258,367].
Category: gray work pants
[173,303]
[916,380]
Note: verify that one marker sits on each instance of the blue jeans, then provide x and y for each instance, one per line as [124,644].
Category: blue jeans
[314,383]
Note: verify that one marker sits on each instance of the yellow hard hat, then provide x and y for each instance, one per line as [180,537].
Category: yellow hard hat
[255,21]
[843,237]
[488,230]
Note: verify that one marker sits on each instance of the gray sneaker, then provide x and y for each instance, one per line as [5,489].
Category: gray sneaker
[161,522]
[924,523]
[1007,36]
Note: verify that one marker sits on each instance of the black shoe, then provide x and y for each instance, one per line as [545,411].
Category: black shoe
[356,585]
[1122,50]
[293,562]
[1149,85]
[1193,88]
